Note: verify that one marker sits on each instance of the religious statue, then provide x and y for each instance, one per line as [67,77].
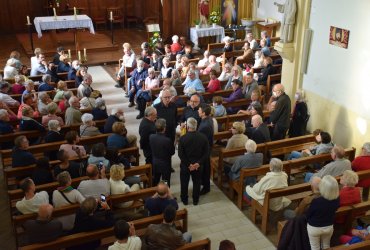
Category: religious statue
[230,15]
[289,9]
[204,12]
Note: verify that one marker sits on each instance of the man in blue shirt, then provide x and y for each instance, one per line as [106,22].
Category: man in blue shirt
[160,200]
[193,85]
[45,85]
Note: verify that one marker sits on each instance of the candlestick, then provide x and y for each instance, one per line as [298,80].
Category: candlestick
[55,12]
[111,15]
[75,10]
[85,52]
[69,54]
[79,56]
[28,20]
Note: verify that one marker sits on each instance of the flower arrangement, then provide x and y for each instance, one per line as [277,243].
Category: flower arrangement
[156,38]
[215,16]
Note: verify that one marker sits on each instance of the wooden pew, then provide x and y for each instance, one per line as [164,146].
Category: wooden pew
[84,237]
[259,70]
[271,79]
[275,147]
[365,245]
[197,245]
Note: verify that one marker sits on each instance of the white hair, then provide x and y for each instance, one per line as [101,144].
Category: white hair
[276,165]
[349,178]
[3,113]
[87,117]
[175,38]
[329,187]
[115,111]
[53,124]
[366,147]
[191,123]
[72,100]
[251,146]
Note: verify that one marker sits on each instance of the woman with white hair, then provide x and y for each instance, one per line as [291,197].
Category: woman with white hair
[321,214]
[237,140]
[42,104]
[166,69]
[100,110]
[175,78]
[10,70]
[276,178]
[27,123]
[175,46]
[53,135]
[236,73]
[52,109]
[300,115]
[88,128]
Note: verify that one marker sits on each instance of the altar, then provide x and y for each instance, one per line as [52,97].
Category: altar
[196,33]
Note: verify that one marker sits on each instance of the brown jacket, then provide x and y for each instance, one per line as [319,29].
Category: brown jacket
[162,237]
[247,57]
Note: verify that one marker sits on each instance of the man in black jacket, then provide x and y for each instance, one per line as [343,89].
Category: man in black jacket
[162,150]
[146,128]
[259,132]
[206,128]
[193,153]
[280,117]
[168,111]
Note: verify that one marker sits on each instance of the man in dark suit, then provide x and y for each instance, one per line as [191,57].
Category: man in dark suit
[168,111]
[206,128]
[280,117]
[117,115]
[146,128]
[162,150]
[193,152]
[259,132]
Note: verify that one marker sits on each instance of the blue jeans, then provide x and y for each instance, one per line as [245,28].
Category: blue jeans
[187,237]
[294,155]
[308,177]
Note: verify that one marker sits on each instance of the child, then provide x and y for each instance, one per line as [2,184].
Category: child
[219,108]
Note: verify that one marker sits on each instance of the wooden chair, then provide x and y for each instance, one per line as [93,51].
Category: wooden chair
[117,15]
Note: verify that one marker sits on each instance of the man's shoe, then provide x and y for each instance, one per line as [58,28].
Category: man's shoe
[204,191]
[195,203]
[118,86]
[131,104]
[185,202]
[139,116]
[126,95]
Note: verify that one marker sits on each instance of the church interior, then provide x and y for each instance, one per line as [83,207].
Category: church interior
[317,56]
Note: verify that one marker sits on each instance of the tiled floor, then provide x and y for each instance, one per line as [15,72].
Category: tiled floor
[215,217]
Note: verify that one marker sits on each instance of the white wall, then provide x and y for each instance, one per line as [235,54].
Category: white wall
[267,9]
[341,75]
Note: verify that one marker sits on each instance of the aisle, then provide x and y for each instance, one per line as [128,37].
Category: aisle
[216,217]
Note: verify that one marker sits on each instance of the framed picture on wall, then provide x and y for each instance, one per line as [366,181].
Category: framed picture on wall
[339,37]
[229,12]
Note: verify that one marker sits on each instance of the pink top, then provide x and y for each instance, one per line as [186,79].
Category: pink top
[18,89]
[213,85]
[47,118]
[175,47]
[151,83]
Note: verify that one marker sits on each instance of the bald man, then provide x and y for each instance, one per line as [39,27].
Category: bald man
[43,229]
[280,117]
[160,200]
[97,183]
[306,202]
[259,131]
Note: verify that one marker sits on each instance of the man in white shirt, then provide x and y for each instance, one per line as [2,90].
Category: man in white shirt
[128,60]
[97,184]
[31,200]
[252,42]
[126,238]
[41,67]
[86,84]
[4,97]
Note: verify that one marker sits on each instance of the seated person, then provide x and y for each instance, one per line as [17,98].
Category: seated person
[20,154]
[41,174]
[97,156]
[213,64]
[226,73]
[63,65]
[247,57]
[193,85]
[89,218]
[175,46]
[128,60]
[220,110]
[43,228]
[276,178]
[5,97]
[204,61]
[100,110]
[334,168]
[72,167]
[56,57]
[73,70]
[264,48]
[255,97]
[88,128]
[259,131]
[52,109]
[144,95]
[43,101]
[10,69]
[97,184]
[237,140]
[119,137]
[165,235]
[18,86]
[40,67]
[81,72]
[53,135]
[156,62]
[228,46]
[5,127]
[268,70]
[136,81]
[118,185]
[66,195]
[87,102]
[166,70]
[362,162]
[31,200]
[71,148]
[45,84]
[126,237]
[250,85]
[184,66]
[258,59]
[117,115]
[250,159]
[324,146]
[52,71]
[29,89]
[235,95]
[73,113]
[160,200]
[175,78]
[214,84]
[236,75]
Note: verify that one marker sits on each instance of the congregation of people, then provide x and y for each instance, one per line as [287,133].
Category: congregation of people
[169,124]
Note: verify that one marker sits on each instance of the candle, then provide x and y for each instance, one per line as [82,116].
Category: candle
[85,52]
[111,15]
[28,20]
[75,10]
[55,12]
[79,55]
[69,54]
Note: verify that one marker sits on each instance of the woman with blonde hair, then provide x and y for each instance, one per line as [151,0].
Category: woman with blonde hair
[61,87]
[321,214]
[175,77]
[236,74]
[237,140]
[52,109]
[118,186]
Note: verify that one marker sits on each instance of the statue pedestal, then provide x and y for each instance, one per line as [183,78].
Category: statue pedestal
[286,50]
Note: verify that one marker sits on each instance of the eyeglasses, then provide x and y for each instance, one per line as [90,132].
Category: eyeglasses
[166,97]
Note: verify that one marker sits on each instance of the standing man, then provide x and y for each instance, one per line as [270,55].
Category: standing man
[162,150]
[206,128]
[280,117]
[168,111]
[193,152]
[146,128]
